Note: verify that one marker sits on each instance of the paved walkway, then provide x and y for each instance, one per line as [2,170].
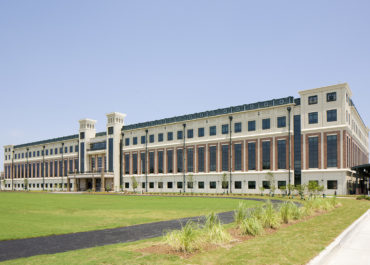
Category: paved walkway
[20,248]
[350,247]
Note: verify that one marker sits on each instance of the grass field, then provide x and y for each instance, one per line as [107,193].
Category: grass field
[38,214]
[295,244]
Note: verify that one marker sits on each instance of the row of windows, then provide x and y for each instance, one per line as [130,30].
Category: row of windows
[212,157]
[40,185]
[332,96]
[313,151]
[266,124]
[47,152]
[331,115]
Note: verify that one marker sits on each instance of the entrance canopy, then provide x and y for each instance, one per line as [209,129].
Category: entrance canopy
[362,178]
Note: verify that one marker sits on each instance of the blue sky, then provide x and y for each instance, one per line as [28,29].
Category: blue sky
[61,61]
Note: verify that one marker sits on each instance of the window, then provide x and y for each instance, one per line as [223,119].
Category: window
[127,185]
[225,158]
[331,115]
[82,135]
[201,185]
[169,185]
[238,185]
[332,184]
[151,162]
[127,164]
[266,155]
[170,161]
[200,132]
[212,185]
[313,117]
[76,149]
[143,164]
[179,160]
[160,161]
[281,122]
[143,139]
[312,100]
[110,130]
[225,128]
[313,152]
[160,185]
[237,127]
[70,149]
[190,133]
[281,184]
[252,156]
[60,150]
[151,185]
[179,185]
[66,149]
[127,141]
[331,96]
[265,124]
[251,126]
[332,150]
[151,138]
[266,184]
[212,130]
[179,135]
[169,136]
[281,145]
[134,141]
[200,159]
[190,159]
[212,158]
[190,184]
[238,156]
[134,163]
[160,137]
[34,153]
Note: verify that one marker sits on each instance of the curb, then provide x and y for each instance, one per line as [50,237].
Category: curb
[324,255]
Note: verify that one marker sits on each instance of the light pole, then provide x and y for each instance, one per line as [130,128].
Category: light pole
[43,168]
[146,158]
[121,162]
[289,109]
[12,169]
[231,156]
[62,165]
[27,169]
[183,156]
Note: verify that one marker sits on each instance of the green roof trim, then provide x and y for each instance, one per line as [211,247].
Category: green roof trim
[59,139]
[211,113]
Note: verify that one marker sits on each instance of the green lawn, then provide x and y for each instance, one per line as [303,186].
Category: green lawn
[38,214]
[295,244]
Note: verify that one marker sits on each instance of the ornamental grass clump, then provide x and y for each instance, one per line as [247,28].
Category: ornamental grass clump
[251,226]
[240,213]
[286,212]
[214,230]
[270,217]
[188,239]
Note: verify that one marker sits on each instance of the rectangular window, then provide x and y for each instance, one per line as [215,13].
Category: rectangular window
[212,185]
[151,185]
[46,169]
[151,162]
[212,158]
[312,100]
[266,184]
[51,169]
[237,127]
[134,163]
[55,169]
[179,135]
[190,133]
[225,128]
[66,149]
[70,150]
[151,138]
[127,164]
[212,130]
[169,136]
[169,185]
[225,157]
[281,144]
[170,161]
[60,150]
[142,159]
[60,168]
[70,166]
[252,156]
[190,184]
[281,122]
[332,151]
[200,159]
[110,154]
[143,139]
[332,184]
[160,137]
[200,184]
[331,115]
[331,96]
[238,157]
[134,140]
[238,185]
[179,160]
[190,159]
[265,124]
[281,184]
[313,152]
[76,149]
[266,155]
[160,161]
[160,185]
[313,118]
[127,185]
[127,141]
[200,132]
[179,185]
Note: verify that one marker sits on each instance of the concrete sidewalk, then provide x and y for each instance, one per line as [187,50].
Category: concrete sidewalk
[350,247]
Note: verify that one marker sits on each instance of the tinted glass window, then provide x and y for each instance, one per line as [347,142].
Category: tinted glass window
[313,118]
[265,124]
[251,125]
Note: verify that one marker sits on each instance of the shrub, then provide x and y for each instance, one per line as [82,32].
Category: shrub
[286,212]
[296,212]
[270,217]
[214,231]
[188,239]
[240,213]
[251,226]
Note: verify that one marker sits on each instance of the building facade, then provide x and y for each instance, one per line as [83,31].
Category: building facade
[317,137]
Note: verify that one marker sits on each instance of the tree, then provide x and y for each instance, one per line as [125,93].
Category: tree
[25,183]
[262,189]
[283,190]
[134,183]
[224,182]
[190,184]
[301,190]
[313,187]
[271,178]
